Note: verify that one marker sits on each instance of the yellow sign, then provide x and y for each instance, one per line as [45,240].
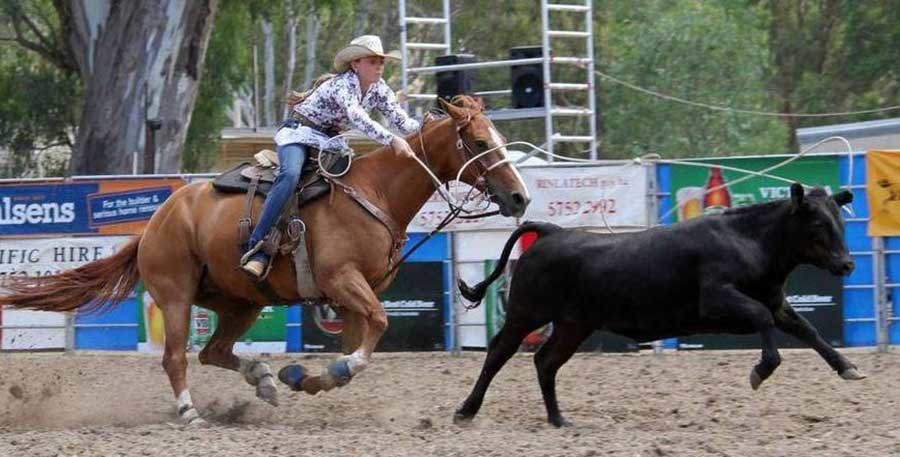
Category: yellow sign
[883,192]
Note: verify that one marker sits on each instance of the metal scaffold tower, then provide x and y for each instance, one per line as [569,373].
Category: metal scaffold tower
[549,111]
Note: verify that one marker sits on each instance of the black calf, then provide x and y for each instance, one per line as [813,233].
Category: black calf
[715,274]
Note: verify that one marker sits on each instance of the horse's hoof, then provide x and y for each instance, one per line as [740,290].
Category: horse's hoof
[197,422]
[312,385]
[293,376]
[559,421]
[268,393]
[340,371]
[852,374]
[191,418]
[755,380]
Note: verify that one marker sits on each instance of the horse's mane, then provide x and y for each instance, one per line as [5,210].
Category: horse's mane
[436,113]
[468,102]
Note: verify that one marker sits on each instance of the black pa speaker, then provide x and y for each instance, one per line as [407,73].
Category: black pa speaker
[527,81]
[451,83]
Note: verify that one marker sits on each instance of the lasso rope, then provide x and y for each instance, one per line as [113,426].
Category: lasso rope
[655,158]
[459,206]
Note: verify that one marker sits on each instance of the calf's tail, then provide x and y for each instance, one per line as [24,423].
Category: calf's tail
[476,294]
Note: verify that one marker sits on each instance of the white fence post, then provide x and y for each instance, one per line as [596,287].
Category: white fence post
[70,332]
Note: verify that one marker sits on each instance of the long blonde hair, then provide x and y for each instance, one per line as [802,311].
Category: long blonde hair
[295,98]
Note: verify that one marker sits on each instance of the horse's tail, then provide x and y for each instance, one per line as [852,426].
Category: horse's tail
[95,286]
[476,294]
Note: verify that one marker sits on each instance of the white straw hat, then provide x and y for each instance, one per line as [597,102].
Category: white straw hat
[363,46]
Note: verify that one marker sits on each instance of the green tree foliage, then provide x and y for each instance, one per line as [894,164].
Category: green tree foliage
[229,66]
[226,70]
[794,55]
[39,106]
[700,51]
[867,63]
[831,56]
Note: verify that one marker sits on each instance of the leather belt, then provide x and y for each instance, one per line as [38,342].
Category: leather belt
[304,121]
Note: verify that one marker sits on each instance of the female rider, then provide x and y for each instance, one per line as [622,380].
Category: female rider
[338,103]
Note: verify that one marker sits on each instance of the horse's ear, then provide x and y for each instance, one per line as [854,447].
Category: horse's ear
[451,109]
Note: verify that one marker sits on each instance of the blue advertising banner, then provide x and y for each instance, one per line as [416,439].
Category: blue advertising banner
[115,206]
[129,206]
[45,208]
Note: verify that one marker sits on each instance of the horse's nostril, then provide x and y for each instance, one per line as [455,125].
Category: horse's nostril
[518,199]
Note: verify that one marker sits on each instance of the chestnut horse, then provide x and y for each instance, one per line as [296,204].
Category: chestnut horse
[189,252]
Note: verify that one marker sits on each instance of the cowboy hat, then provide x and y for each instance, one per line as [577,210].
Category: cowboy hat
[363,46]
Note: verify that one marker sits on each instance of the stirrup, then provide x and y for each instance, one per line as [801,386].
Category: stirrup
[250,266]
[253,250]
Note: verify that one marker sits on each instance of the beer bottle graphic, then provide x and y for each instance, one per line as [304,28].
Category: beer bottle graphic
[717,197]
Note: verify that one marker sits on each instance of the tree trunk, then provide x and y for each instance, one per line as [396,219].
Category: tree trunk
[290,32]
[312,38]
[268,105]
[362,18]
[138,60]
[793,145]
[241,111]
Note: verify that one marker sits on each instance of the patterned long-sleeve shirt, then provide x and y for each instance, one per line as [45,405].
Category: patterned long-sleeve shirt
[339,104]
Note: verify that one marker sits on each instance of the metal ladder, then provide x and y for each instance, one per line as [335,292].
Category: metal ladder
[406,46]
[550,87]
[549,111]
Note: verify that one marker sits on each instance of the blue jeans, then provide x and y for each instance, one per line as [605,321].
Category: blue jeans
[290,164]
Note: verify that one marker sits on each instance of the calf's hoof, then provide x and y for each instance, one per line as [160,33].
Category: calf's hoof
[852,374]
[462,418]
[755,379]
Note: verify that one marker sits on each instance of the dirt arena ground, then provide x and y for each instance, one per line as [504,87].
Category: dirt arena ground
[678,404]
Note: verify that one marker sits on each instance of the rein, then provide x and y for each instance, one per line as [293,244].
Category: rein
[449,218]
[455,208]
[473,158]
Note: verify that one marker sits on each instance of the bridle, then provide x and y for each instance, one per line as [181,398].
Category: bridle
[455,208]
[471,158]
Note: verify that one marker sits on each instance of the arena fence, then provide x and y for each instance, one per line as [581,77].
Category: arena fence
[426,312]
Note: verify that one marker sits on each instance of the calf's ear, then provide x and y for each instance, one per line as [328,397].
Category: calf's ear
[843,197]
[797,194]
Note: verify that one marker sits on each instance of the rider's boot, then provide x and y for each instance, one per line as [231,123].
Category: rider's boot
[255,261]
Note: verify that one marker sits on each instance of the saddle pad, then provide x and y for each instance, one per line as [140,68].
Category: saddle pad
[233,181]
[267,163]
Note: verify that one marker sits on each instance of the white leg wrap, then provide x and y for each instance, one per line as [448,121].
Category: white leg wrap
[186,410]
[254,371]
[260,375]
[244,365]
[184,399]
[357,362]
[190,416]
